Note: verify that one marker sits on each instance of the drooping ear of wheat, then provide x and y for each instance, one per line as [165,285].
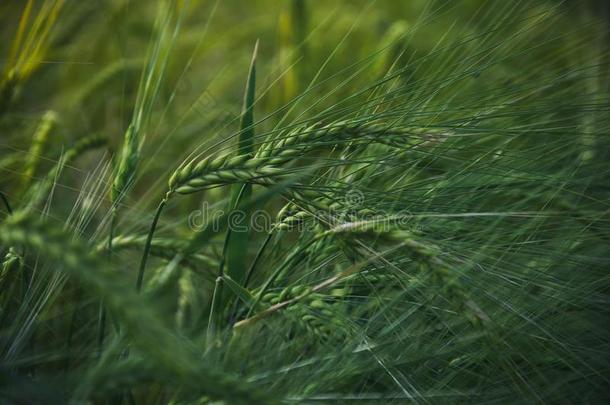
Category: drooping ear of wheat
[271,156]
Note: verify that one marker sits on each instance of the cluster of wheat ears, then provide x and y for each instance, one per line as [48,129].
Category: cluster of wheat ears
[451,161]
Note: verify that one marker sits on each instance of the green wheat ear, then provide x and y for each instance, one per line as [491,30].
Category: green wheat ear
[321,316]
[128,161]
[167,25]
[39,140]
[271,156]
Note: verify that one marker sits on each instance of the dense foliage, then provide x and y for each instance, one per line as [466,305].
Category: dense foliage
[300,201]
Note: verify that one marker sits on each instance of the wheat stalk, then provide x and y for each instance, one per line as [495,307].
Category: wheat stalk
[225,169]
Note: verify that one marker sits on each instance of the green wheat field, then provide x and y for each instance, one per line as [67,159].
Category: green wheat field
[304,201]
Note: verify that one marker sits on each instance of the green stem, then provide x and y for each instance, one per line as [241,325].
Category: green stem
[211,321]
[102,312]
[249,274]
[256,259]
[147,246]
[234,204]
[278,271]
[6,204]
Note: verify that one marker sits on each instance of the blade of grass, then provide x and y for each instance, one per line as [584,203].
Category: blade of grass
[240,193]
